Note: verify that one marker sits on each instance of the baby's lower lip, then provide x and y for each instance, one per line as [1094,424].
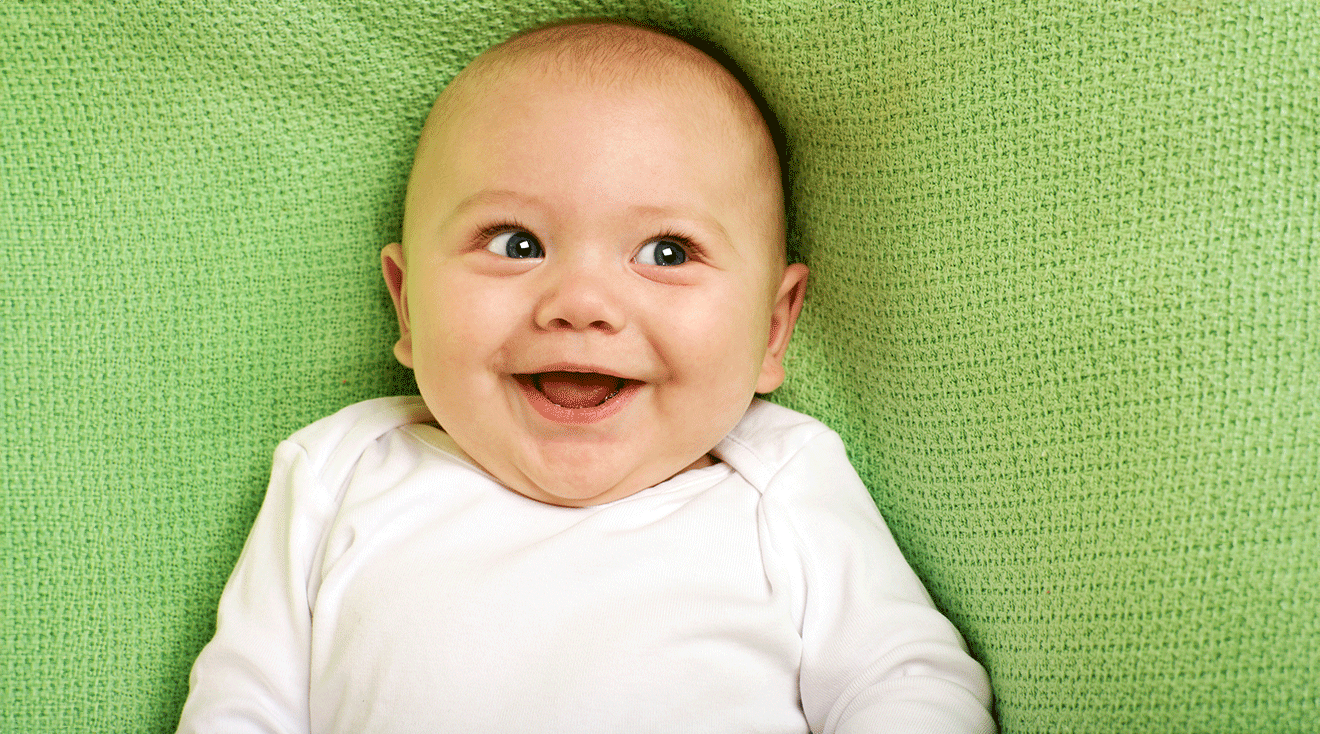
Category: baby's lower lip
[595,398]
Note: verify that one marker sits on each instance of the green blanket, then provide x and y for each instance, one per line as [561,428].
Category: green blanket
[1065,312]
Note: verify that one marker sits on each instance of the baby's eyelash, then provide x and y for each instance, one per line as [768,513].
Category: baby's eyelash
[485,234]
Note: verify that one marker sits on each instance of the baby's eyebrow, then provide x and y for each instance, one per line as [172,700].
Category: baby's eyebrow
[488,197]
[662,213]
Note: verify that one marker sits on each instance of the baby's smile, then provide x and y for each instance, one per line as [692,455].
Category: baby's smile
[577,389]
[576,397]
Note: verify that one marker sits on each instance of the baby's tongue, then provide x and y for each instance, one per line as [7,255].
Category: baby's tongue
[576,389]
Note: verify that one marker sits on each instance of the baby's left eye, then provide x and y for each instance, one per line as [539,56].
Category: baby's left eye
[661,252]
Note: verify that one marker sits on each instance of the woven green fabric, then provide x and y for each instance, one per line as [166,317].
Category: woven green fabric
[1064,312]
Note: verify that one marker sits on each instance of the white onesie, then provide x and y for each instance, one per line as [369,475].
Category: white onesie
[390,585]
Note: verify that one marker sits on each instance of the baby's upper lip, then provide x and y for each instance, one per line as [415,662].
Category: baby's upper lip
[577,367]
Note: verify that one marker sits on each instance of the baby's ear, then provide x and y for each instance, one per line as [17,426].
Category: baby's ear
[788,304]
[395,271]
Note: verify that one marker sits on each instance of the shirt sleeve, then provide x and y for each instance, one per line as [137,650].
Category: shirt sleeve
[253,675]
[877,656]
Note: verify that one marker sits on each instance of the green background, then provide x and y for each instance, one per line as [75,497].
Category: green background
[1064,312]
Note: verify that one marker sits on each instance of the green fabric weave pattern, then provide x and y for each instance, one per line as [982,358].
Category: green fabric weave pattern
[1064,311]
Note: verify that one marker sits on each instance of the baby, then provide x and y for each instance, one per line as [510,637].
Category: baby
[587,522]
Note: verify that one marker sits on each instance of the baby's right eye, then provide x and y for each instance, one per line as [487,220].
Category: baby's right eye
[516,244]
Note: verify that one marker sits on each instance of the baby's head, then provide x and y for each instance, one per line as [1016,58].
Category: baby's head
[592,283]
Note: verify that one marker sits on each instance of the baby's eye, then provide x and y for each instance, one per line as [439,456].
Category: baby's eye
[661,252]
[515,244]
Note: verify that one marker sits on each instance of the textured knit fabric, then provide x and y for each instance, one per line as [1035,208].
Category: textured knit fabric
[391,585]
[1063,312]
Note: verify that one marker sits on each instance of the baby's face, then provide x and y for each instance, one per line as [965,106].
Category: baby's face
[591,286]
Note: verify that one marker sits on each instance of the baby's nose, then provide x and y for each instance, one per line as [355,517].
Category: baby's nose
[580,297]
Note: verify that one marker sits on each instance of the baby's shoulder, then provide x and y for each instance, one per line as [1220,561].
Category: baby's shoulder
[812,503]
[772,439]
[349,432]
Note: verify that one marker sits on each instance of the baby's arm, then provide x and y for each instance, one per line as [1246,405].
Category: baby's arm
[877,656]
[253,675]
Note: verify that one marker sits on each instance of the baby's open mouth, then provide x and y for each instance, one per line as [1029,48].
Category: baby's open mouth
[576,389]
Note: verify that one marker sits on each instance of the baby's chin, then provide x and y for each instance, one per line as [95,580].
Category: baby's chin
[593,484]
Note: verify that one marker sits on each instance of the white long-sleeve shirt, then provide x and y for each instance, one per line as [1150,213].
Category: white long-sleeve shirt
[391,585]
